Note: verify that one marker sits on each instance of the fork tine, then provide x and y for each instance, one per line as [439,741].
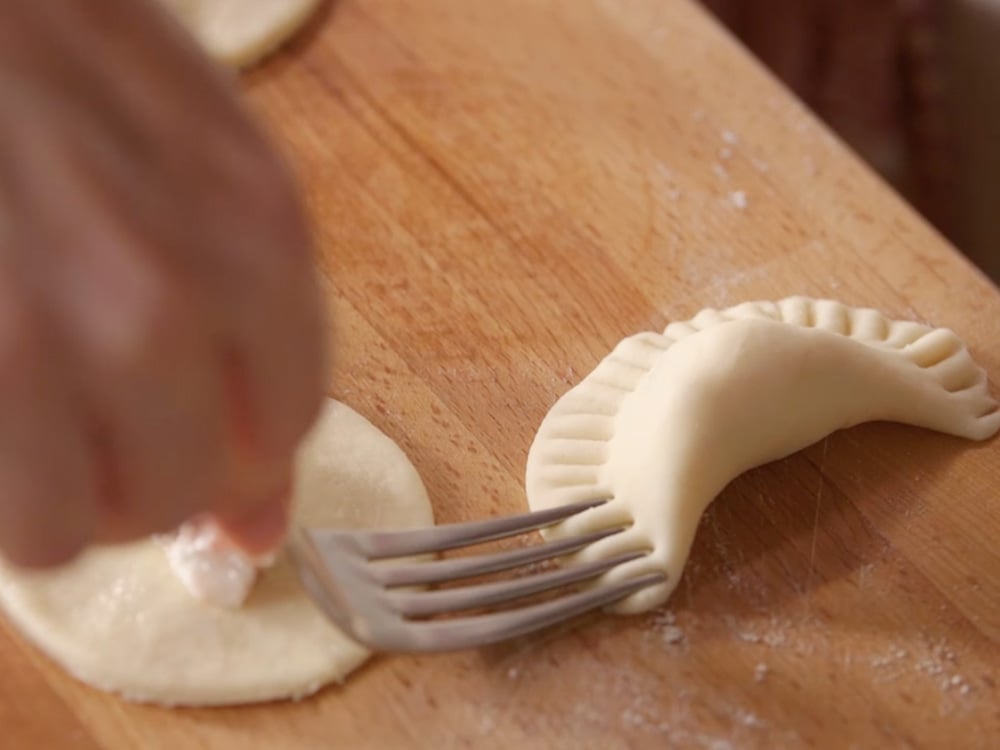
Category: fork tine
[377,545]
[437,571]
[480,630]
[443,601]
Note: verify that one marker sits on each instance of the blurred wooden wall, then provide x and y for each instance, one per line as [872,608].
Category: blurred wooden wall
[900,81]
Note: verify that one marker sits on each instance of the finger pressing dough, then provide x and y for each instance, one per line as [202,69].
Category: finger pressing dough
[667,420]
[119,619]
[241,32]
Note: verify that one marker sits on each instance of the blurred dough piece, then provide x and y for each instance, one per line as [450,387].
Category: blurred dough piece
[119,619]
[241,32]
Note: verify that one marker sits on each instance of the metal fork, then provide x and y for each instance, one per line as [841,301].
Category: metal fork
[351,578]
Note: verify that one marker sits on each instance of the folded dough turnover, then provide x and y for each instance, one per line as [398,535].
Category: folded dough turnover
[666,421]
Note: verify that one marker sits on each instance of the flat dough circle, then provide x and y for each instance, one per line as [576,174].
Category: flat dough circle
[120,620]
[241,32]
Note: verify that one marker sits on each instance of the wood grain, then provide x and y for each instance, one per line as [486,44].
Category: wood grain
[504,190]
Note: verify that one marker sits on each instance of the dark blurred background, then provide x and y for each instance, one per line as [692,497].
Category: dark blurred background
[912,85]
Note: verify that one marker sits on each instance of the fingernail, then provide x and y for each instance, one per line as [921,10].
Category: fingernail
[260,531]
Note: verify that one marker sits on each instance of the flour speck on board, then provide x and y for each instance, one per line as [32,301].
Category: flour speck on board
[665,175]
[936,661]
[738,198]
[775,633]
[940,665]
[664,625]
[760,672]
[775,638]
[730,137]
[747,718]
[486,724]
[632,718]
[672,634]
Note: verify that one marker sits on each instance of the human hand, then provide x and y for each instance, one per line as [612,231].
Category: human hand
[160,326]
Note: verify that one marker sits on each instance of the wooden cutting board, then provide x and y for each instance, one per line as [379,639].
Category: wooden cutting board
[502,191]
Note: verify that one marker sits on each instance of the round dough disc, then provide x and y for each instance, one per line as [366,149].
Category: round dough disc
[118,618]
[241,32]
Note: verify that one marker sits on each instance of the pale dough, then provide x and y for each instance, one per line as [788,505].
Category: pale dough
[241,32]
[666,421]
[119,619]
